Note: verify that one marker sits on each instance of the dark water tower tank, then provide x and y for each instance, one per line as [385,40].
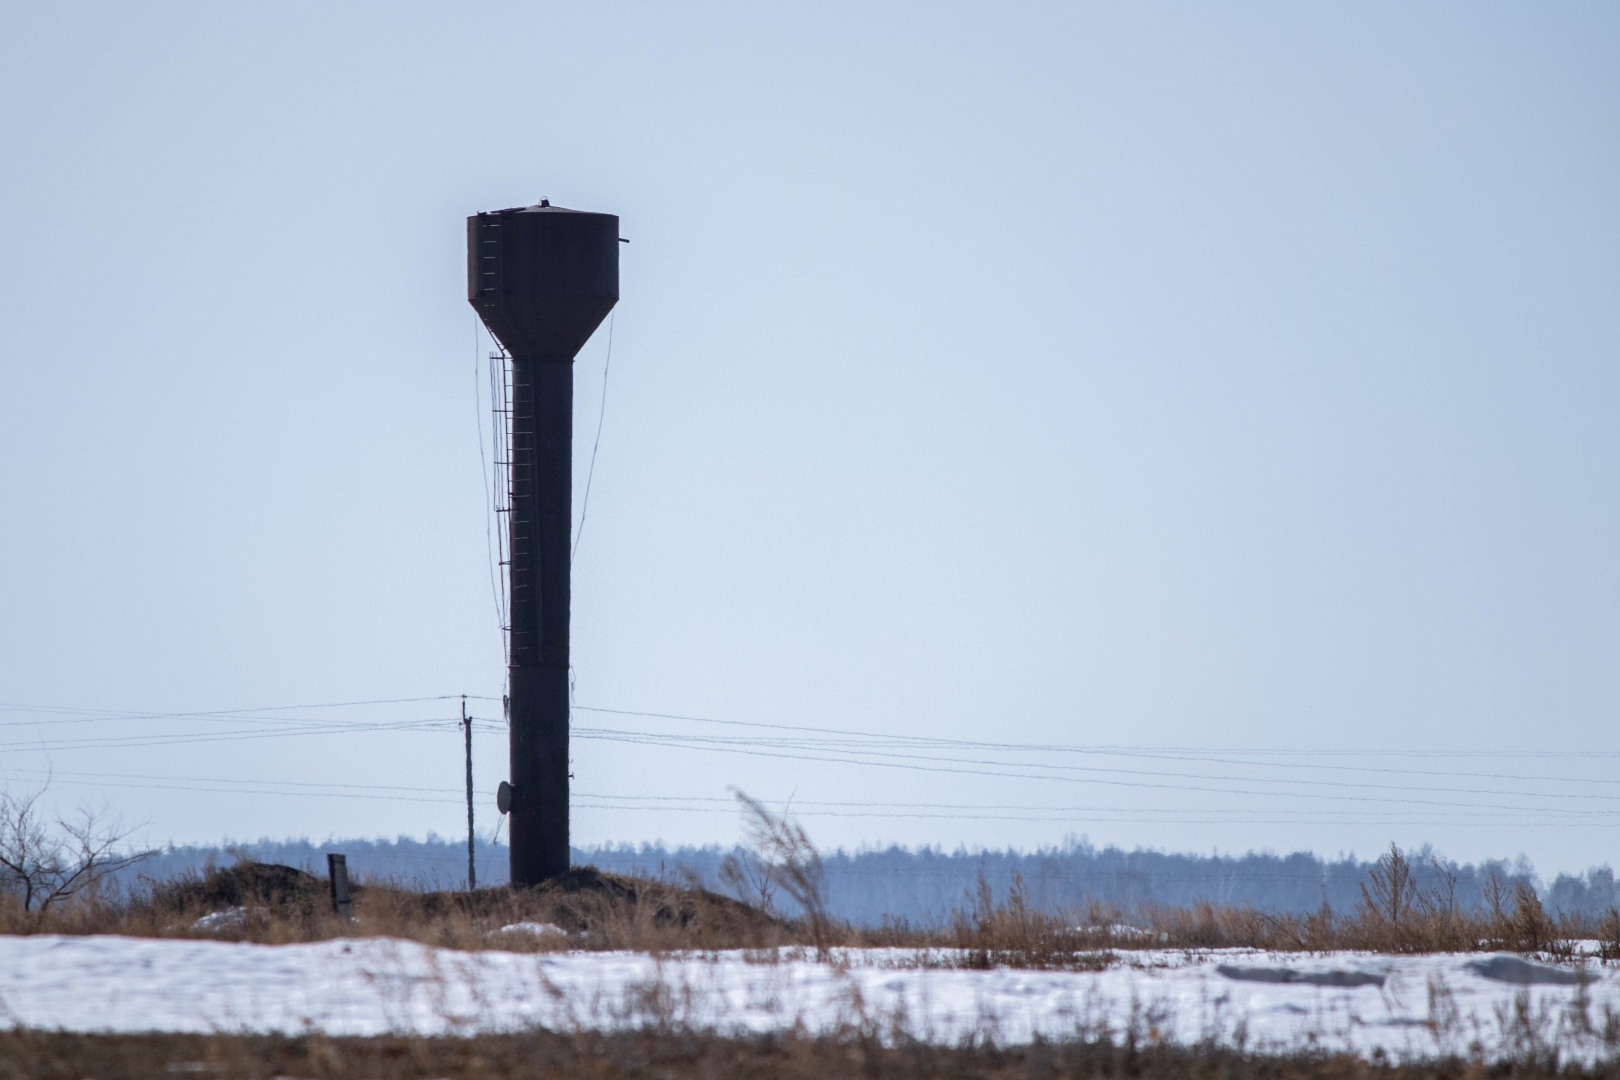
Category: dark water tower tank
[542,278]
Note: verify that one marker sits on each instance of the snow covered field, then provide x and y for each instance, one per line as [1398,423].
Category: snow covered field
[1410,1007]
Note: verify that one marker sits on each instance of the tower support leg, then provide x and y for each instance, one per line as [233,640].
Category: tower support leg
[541,523]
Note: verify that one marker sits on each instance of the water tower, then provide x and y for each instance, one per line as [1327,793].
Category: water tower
[542,278]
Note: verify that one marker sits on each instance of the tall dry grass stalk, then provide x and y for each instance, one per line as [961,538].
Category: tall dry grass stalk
[781,859]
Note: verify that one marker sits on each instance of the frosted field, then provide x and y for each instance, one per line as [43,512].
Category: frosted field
[1409,1007]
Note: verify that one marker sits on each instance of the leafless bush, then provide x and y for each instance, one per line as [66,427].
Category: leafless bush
[1608,935]
[1531,930]
[44,862]
[1390,891]
[1396,915]
[1496,892]
[751,880]
[1014,933]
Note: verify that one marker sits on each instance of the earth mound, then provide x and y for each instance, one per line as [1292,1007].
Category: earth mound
[587,901]
[247,884]
[591,908]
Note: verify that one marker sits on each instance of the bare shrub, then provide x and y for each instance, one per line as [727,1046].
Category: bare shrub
[1445,925]
[44,862]
[1396,915]
[1014,933]
[1496,892]
[1532,931]
[1390,891]
[745,875]
[1320,929]
[1608,935]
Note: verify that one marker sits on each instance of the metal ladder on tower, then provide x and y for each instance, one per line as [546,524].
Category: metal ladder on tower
[489,257]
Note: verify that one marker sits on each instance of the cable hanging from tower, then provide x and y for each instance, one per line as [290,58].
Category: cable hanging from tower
[601,415]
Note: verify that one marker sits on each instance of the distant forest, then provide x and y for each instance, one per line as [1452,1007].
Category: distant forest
[923,886]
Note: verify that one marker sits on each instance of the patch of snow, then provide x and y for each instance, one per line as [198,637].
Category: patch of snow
[1119,932]
[538,929]
[220,920]
[1409,1007]
[229,917]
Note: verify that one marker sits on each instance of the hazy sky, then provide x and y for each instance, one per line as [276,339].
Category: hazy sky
[1230,387]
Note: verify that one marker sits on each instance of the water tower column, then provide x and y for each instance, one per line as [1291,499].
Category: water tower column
[542,278]
[542,496]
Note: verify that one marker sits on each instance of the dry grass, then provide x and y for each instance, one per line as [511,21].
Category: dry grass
[276,905]
[1395,917]
[688,1056]
[1010,933]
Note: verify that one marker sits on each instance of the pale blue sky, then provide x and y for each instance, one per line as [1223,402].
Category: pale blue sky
[1151,376]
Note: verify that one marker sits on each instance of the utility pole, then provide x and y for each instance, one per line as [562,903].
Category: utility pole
[472,868]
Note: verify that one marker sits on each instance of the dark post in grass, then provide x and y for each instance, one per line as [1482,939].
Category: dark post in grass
[337,869]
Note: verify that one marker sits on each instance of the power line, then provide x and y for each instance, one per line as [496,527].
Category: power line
[129,714]
[1190,753]
[125,741]
[800,805]
[629,738]
[849,747]
[886,759]
[1468,822]
[712,804]
[235,784]
[1095,815]
[1105,749]
[877,753]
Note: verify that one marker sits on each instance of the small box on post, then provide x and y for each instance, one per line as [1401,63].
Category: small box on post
[337,868]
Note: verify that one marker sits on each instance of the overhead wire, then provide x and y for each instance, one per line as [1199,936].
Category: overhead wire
[868,744]
[810,750]
[881,753]
[1101,748]
[627,738]
[849,747]
[132,741]
[874,751]
[117,713]
[809,809]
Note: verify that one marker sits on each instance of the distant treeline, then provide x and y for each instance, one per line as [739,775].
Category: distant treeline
[925,885]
